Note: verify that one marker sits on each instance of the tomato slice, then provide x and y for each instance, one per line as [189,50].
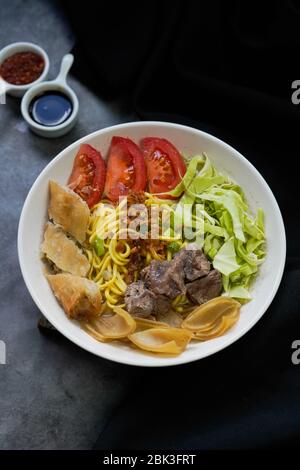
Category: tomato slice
[126,169]
[88,174]
[165,165]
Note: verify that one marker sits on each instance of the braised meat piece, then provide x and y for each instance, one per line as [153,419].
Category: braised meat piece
[162,304]
[165,277]
[206,288]
[141,302]
[195,263]
[188,273]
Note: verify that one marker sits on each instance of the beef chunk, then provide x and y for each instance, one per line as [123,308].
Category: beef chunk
[152,274]
[141,302]
[206,288]
[189,272]
[162,304]
[195,264]
[165,277]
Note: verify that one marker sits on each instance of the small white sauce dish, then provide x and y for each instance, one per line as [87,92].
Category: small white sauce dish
[58,85]
[11,49]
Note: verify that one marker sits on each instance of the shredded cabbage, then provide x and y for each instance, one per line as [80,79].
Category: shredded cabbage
[233,239]
[225,258]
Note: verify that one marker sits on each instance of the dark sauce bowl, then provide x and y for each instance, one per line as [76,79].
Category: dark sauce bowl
[37,119]
[51,108]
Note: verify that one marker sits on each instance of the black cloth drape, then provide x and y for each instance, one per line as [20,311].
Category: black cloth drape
[227,68]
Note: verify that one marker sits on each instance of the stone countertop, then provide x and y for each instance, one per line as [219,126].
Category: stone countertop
[53,395]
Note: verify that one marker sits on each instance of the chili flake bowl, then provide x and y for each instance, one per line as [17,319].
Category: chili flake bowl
[8,51]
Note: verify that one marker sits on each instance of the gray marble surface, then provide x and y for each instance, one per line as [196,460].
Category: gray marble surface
[53,395]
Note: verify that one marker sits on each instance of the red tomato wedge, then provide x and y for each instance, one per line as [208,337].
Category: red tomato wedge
[88,174]
[165,165]
[126,169]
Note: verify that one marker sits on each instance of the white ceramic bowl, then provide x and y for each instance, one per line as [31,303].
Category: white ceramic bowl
[19,90]
[59,84]
[187,140]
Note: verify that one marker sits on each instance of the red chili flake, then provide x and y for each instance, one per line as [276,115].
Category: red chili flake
[22,68]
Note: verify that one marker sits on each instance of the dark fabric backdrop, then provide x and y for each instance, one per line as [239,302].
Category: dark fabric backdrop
[227,68]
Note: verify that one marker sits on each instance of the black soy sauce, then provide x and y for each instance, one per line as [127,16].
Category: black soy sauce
[51,108]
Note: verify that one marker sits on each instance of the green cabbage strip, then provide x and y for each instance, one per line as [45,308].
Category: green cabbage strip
[234,240]
[225,259]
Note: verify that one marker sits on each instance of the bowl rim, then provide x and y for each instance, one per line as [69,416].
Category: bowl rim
[181,359]
[14,47]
